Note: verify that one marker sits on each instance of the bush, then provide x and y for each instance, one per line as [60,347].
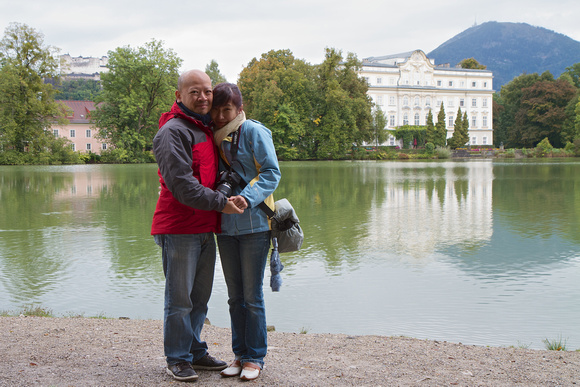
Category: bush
[429,147]
[510,153]
[544,148]
[443,153]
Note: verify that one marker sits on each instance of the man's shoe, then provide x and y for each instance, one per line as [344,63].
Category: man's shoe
[182,371]
[233,369]
[209,362]
[250,371]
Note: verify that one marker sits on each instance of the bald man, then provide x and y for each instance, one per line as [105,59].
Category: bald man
[185,220]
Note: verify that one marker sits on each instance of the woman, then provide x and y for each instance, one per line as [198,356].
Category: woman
[246,149]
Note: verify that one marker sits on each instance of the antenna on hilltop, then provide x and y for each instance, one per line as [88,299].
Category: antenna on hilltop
[475,21]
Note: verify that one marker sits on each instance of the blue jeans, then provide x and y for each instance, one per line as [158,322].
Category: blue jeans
[188,264]
[244,260]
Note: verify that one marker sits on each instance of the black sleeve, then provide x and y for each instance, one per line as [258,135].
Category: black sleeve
[172,148]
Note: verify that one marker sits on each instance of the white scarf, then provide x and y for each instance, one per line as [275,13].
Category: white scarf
[220,134]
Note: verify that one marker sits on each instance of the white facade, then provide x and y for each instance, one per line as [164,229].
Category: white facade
[83,67]
[407,86]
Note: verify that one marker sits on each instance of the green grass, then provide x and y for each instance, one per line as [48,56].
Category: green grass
[555,345]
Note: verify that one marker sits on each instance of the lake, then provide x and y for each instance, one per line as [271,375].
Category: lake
[483,252]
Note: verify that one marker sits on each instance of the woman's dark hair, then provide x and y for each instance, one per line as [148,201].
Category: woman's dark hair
[227,92]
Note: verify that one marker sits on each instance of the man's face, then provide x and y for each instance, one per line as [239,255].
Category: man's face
[196,93]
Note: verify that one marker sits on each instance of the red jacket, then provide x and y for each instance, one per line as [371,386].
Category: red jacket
[188,167]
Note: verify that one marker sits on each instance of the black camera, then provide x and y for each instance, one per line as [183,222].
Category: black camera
[227,182]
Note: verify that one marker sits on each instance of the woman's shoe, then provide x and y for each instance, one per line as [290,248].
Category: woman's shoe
[250,371]
[233,369]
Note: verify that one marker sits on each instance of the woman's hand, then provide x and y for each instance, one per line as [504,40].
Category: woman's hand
[239,201]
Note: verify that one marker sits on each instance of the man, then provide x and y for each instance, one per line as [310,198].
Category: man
[184,223]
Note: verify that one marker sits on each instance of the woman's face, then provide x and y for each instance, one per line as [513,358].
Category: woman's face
[222,115]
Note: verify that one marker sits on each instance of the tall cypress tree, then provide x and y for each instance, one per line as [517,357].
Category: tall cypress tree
[440,128]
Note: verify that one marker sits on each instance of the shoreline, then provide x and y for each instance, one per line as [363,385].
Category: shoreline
[78,351]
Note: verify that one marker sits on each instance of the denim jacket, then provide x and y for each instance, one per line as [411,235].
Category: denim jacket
[257,164]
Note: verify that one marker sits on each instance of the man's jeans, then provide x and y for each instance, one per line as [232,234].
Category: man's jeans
[188,264]
[244,260]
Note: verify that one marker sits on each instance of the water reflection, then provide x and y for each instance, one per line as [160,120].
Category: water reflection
[82,226]
[458,251]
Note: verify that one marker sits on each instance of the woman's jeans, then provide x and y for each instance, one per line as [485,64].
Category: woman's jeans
[188,264]
[244,260]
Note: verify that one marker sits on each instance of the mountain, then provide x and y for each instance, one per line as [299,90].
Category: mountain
[510,49]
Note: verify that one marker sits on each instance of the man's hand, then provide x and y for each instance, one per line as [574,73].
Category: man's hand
[231,208]
[239,201]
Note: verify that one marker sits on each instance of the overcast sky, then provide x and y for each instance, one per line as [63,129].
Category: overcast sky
[233,32]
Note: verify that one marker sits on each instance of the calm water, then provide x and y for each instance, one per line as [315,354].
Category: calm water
[479,252]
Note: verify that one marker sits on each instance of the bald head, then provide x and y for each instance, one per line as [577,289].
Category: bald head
[194,91]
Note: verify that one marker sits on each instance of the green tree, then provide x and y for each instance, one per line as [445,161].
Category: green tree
[278,91]
[27,106]
[459,138]
[430,129]
[471,63]
[440,128]
[507,125]
[212,69]
[78,90]
[343,106]
[574,72]
[138,88]
[380,134]
[542,113]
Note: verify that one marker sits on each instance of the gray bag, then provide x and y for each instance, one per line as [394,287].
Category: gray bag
[286,227]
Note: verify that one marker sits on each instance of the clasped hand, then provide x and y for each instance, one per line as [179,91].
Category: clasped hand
[235,205]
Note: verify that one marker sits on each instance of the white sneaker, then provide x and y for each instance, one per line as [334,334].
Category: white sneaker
[233,369]
[250,371]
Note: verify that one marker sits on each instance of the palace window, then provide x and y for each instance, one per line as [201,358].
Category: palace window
[73,133]
[417,101]
[474,102]
[104,146]
[392,120]
[428,101]
[474,122]
[484,121]
[461,102]
[405,119]
[88,133]
[380,100]
[417,119]
[55,132]
[484,102]
[450,121]
[405,101]
[379,81]
[391,100]
[88,147]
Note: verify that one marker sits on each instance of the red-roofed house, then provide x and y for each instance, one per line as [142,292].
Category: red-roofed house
[79,130]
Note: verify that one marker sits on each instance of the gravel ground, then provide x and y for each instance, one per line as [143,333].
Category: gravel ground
[36,351]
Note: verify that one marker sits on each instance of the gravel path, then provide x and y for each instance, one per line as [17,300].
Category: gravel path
[36,351]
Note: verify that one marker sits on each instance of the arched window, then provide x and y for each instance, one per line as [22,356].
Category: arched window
[417,119]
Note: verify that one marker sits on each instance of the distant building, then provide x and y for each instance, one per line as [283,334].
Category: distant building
[407,86]
[79,130]
[83,67]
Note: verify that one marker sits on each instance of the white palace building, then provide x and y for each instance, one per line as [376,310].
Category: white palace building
[407,86]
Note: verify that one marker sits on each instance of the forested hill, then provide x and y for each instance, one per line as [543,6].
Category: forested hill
[510,49]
